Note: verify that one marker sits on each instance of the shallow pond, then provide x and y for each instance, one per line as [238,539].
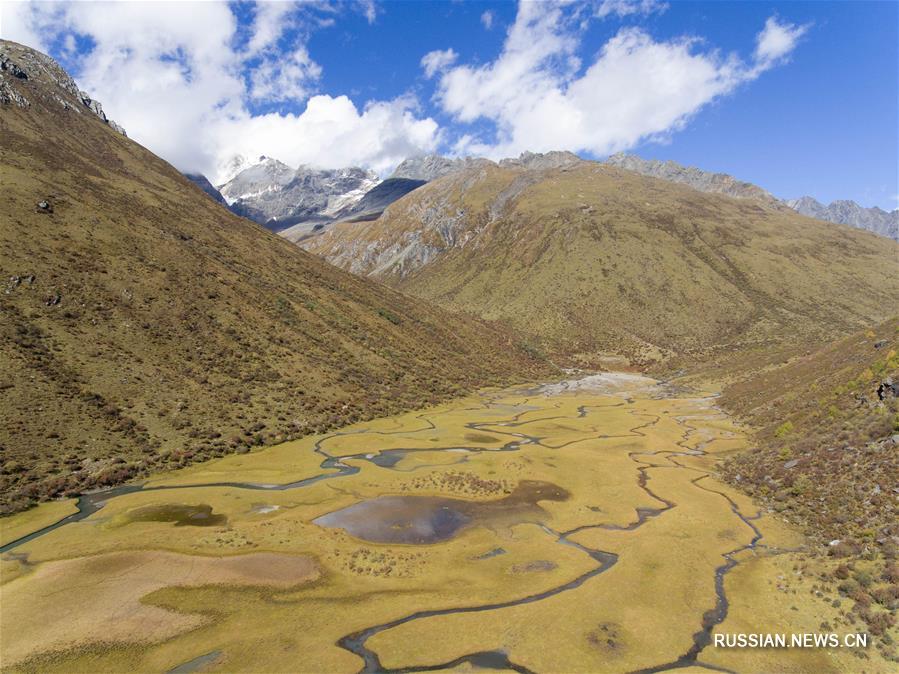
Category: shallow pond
[182,515]
[431,519]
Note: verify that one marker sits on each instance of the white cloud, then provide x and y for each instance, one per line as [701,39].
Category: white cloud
[777,40]
[183,81]
[622,8]
[181,77]
[284,77]
[487,19]
[368,9]
[636,87]
[331,133]
[437,60]
[269,23]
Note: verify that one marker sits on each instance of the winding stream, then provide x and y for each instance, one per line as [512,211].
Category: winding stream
[442,518]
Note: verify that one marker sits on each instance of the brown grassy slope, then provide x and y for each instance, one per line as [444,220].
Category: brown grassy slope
[594,258]
[826,457]
[827,453]
[182,331]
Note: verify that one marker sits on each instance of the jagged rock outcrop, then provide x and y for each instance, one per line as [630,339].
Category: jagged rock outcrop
[22,68]
[845,212]
[541,161]
[432,166]
[704,181]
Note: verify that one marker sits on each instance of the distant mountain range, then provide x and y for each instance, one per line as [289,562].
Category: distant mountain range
[847,212]
[299,203]
[278,196]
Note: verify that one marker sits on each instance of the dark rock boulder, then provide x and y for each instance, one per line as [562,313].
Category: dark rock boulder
[887,389]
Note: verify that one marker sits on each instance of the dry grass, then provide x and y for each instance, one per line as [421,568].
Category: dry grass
[595,259]
[825,455]
[181,331]
[661,584]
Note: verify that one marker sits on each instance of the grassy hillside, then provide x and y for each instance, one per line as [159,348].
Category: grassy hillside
[145,326]
[826,457]
[591,258]
[828,437]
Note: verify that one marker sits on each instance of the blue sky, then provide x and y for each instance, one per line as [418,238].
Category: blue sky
[798,97]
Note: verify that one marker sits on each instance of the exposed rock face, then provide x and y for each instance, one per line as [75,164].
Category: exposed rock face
[541,161]
[268,175]
[432,166]
[887,389]
[277,196]
[20,67]
[367,208]
[719,183]
[846,212]
[443,224]
[203,183]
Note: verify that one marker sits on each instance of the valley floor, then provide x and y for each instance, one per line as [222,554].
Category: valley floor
[571,527]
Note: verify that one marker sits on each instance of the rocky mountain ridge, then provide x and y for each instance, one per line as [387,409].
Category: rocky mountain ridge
[841,212]
[25,66]
[302,203]
[704,181]
[432,166]
[847,212]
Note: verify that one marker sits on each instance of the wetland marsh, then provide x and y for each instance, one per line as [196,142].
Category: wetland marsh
[570,527]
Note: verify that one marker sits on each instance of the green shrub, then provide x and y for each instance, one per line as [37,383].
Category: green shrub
[390,316]
[784,429]
[863,578]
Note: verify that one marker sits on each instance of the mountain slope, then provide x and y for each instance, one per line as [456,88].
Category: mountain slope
[143,325]
[840,212]
[592,258]
[828,453]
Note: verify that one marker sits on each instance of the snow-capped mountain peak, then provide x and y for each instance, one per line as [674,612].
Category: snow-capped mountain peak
[276,195]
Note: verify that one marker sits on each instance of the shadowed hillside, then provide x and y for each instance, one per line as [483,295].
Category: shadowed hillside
[590,258]
[145,326]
